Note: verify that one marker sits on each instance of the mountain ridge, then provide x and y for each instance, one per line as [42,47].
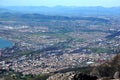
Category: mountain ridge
[65,10]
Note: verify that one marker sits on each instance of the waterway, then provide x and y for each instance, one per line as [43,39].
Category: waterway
[5,43]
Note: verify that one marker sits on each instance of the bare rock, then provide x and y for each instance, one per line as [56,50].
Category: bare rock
[116,75]
[62,76]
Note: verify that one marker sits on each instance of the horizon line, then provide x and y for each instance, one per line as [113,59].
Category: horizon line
[55,6]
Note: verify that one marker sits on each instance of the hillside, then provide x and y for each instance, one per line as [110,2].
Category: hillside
[107,71]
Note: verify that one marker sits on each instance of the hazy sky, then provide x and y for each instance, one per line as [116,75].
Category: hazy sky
[105,3]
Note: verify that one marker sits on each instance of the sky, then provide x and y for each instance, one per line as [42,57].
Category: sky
[51,3]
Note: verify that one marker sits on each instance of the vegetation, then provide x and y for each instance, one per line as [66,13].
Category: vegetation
[101,50]
[11,75]
[109,68]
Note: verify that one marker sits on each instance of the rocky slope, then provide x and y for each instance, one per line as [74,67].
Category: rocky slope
[72,76]
[107,71]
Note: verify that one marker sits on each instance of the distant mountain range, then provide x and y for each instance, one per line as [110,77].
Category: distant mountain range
[64,11]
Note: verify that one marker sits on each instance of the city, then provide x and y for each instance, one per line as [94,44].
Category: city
[81,41]
[45,50]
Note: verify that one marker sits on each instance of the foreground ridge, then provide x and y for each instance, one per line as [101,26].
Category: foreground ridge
[107,71]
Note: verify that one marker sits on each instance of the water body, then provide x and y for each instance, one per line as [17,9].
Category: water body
[5,43]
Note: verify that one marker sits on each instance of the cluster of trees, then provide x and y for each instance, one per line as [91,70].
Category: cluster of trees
[11,75]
